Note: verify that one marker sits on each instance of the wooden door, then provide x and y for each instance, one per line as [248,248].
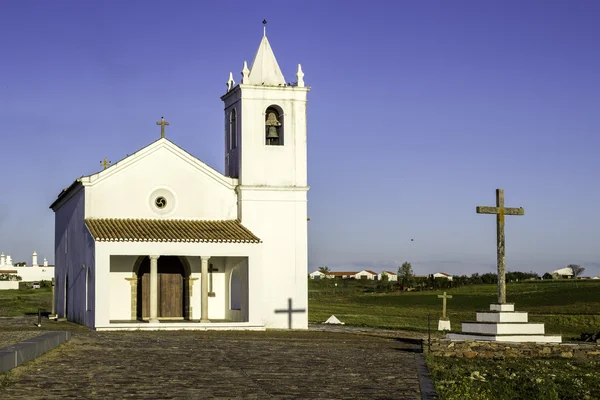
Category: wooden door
[170,289]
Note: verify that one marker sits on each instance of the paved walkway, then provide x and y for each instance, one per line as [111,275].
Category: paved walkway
[223,365]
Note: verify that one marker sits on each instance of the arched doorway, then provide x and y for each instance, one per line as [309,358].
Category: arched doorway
[173,289]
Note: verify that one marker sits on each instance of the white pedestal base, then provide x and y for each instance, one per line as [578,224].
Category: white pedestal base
[503,324]
[505,338]
[444,325]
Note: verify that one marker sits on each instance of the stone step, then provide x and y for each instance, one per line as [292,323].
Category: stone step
[506,338]
[502,316]
[508,328]
[502,307]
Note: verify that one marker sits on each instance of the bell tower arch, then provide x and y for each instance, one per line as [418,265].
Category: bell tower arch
[274,126]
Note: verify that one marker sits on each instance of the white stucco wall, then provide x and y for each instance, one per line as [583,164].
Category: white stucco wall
[278,217]
[74,255]
[128,188]
[121,268]
[35,274]
[240,264]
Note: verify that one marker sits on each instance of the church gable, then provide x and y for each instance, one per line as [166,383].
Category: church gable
[160,181]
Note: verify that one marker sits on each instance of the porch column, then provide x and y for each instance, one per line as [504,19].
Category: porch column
[154,288]
[204,288]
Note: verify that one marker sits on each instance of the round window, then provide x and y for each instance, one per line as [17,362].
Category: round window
[160,202]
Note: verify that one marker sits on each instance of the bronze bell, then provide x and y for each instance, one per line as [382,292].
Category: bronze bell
[272,123]
[272,133]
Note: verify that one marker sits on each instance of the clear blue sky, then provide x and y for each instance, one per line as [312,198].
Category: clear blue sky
[418,112]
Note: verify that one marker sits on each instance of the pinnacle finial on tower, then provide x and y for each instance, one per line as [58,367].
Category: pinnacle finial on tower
[230,82]
[264,27]
[300,76]
[245,73]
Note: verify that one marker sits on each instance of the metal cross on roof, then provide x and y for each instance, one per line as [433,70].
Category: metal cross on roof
[162,124]
[105,164]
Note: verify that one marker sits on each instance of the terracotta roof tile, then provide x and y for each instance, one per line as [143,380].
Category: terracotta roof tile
[169,230]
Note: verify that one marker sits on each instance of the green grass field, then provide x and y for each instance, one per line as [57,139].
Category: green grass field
[14,303]
[566,307]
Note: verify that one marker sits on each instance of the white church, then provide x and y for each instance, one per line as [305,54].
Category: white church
[160,240]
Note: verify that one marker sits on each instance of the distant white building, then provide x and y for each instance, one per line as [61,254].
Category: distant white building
[365,274]
[316,275]
[28,273]
[564,273]
[442,275]
[391,276]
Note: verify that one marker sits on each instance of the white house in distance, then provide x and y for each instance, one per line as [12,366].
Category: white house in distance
[160,240]
[565,273]
[442,275]
[366,274]
[317,275]
[28,273]
[391,276]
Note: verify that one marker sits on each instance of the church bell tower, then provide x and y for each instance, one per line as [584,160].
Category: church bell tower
[265,149]
[265,124]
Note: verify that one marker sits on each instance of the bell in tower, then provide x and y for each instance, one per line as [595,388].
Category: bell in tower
[273,127]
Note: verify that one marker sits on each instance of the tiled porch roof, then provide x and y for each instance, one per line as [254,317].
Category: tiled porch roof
[169,230]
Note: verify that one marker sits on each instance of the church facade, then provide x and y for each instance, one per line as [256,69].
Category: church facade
[160,240]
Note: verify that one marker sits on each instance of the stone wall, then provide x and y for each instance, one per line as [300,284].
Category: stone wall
[472,349]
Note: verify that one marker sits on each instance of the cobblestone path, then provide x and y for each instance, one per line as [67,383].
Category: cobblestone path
[223,365]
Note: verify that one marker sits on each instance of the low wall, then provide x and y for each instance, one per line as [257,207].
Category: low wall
[17,354]
[9,285]
[473,349]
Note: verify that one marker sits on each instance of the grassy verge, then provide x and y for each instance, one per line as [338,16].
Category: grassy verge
[548,379]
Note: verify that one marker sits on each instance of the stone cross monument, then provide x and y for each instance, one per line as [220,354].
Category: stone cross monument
[500,212]
[444,297]
[502,323]
[444,322]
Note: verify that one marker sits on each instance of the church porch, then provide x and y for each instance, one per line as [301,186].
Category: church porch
[156,290]
[224,277]
[175,274]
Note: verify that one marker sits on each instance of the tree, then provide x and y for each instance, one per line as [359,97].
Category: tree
[577,270]
[547,275]
[21,264]
[324,270]
[405,274]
